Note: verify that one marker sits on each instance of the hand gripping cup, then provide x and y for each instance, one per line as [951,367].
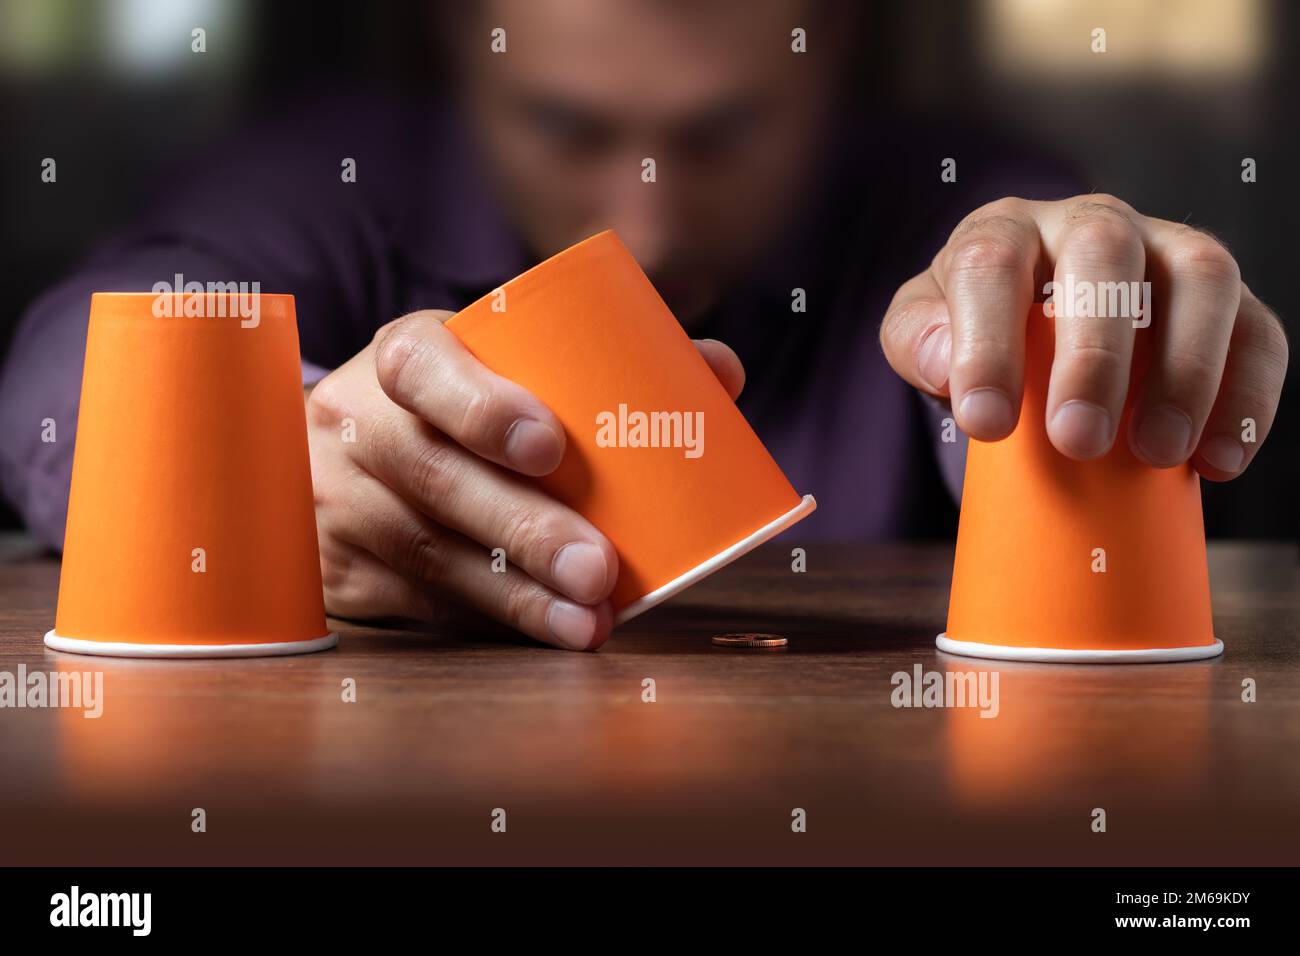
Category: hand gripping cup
[1081,562]
[191,527]
[658,457]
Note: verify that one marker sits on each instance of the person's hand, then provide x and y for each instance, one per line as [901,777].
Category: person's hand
[957,330]
[419,455]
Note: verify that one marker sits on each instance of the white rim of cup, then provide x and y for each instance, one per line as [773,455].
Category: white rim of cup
[77,645]
[1062,655]
[719,560]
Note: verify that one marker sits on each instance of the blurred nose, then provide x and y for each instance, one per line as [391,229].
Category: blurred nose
[639,212]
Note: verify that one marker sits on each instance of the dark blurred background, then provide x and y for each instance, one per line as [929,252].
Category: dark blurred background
[1188,88]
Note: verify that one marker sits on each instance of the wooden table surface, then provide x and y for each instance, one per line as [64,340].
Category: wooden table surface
[446,728]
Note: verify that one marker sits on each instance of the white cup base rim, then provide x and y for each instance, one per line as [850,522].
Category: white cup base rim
[719,560]
[76,645]
[1062,655]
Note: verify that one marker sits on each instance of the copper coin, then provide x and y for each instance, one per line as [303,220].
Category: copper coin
[750,640]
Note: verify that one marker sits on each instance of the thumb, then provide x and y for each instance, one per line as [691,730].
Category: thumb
[725,364]
[916,337]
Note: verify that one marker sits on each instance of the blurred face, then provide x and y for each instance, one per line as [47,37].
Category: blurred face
[711,91]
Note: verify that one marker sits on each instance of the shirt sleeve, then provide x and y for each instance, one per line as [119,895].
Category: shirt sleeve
[281,217]
[40,384]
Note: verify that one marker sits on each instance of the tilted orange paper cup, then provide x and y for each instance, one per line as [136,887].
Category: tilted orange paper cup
[191,526]
[659,458]
[1087,562]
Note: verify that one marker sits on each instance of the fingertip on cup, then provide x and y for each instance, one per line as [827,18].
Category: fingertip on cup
[533,447]
[581,571]
[1162,436]
[577,627]
[1081,430]
[986,414]
[604,624]
[1224,455]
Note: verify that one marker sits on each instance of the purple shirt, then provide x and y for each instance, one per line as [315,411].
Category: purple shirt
[420,230]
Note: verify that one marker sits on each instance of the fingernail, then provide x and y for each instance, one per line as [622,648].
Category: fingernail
[1081,429]
[932,358]
[571,626]
[1224,454]
[986,412]
[1163,436]
[580,571]
[533,447]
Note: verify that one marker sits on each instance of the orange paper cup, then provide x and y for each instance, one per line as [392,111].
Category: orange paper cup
[1082,562]
[659,458]
[191,528]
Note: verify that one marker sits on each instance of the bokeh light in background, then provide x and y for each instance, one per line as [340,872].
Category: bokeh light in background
[128,39]
[1183,41]
[1185,90]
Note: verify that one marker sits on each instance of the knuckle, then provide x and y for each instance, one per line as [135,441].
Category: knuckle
[984,254]
[347,590]
[1001,218]
[323,494]
[1106,238]
[427,555]
[1260,346]
[1098,354]
[433,471]
[326,403]
[517,601]
[1201,256]
[1266,334]
[386,329]
[1275,335]
[377,446]
[365,523]
[1258,396]
[422,318]
[335,574]
[1192,372]
[1097,204]
[478,426]
[381,446]
[986,357]
[916,314]
[1007,211]
[401,350]
[338,493]
[984,363]
[528,531]
[906,324]
[339,599]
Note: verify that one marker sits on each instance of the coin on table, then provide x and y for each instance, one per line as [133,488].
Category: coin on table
[750,640]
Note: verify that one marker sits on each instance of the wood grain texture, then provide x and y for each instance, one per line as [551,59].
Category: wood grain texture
[449,726]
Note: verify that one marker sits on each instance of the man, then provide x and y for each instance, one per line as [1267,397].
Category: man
[773,221]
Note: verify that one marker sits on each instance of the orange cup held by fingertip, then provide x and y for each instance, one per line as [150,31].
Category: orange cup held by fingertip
[658,456]
[191,524]
[1097,561]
